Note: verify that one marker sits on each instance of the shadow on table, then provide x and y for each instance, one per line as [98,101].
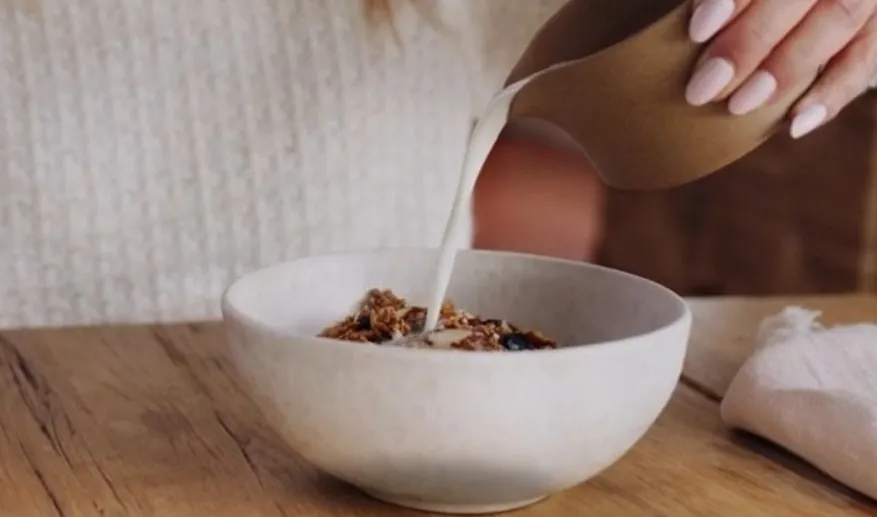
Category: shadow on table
[452,482]
[339,496]
[796,464]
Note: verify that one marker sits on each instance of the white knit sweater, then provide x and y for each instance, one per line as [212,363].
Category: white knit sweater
[153,150]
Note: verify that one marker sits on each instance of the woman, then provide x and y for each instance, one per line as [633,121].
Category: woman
[152,150]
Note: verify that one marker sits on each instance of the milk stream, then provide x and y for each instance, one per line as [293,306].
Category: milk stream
[481,141]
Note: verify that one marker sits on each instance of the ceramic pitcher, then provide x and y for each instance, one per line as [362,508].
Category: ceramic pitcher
[611,74]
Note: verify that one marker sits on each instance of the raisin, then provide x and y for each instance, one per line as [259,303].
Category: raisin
[383,336]
[415,319]
[363,322]
[515,342]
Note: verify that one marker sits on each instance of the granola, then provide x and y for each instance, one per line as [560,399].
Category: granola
[384,318]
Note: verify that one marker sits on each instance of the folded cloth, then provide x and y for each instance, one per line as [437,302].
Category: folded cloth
[813,390]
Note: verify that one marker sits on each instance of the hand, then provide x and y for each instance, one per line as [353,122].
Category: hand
[759,48]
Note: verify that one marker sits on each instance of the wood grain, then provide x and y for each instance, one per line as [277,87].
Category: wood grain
[150,421]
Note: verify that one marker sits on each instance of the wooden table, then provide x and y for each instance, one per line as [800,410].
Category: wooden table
[148,420]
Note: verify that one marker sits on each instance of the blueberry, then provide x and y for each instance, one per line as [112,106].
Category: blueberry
[363,322]
[416,318]
[515,342]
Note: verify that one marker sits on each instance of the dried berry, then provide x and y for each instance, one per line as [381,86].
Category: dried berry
[515,342]
[364,322]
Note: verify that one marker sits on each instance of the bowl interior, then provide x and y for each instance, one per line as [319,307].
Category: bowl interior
[572,302]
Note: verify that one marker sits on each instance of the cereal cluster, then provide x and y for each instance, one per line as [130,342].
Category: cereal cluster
[384,317]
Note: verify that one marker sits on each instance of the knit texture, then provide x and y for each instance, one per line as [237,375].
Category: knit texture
[153,150]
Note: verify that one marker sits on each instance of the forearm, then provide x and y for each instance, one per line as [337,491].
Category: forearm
[538,198]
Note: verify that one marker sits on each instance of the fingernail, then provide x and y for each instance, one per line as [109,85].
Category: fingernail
[808,119]
[709,18]
[753,94]
[709,80]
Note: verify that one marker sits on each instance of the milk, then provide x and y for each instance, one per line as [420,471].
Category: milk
[481,141]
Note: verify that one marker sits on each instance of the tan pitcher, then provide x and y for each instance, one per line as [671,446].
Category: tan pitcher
[613,76]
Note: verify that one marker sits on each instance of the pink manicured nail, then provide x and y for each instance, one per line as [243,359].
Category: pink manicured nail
[756,91]
[709,18]
[808,119]
[709,80]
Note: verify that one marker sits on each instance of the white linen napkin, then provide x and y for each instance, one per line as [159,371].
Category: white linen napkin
[813,390]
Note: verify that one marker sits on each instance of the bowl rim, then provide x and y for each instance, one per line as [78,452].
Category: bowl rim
[232,313]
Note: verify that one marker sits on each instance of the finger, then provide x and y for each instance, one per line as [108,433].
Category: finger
[710,16]
[741,46]
[845,78]
[825,31]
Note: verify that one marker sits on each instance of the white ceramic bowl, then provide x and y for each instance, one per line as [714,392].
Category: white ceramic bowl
[452,431]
